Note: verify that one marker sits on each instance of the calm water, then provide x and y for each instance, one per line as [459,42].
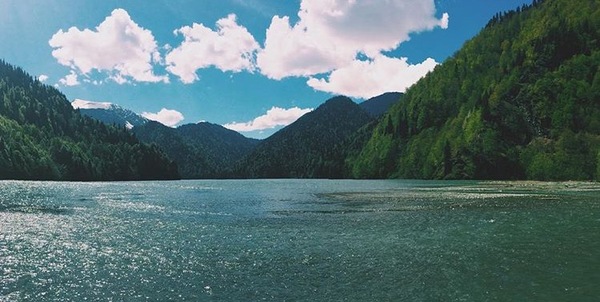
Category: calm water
[290,240]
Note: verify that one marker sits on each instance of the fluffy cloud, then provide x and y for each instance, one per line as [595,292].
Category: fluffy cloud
[42,78]
[69,80]
[230,48]
[364,79]
[445,21]
[330,34]
[165,116]
[274,117]
[118,46]
[295,51]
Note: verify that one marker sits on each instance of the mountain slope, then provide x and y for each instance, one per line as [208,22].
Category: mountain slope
[313,146]
[377,106]
[202,150]
[109,114]
[43,137]
[520,100]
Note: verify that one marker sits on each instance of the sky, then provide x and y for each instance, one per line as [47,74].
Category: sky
[253,66]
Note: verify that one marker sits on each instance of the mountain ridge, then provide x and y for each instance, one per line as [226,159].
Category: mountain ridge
[43,138]
[518,101]
[378,105]
[202,150]
[311,147]
[109,113]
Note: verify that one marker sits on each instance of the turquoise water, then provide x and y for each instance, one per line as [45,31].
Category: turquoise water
[299,240]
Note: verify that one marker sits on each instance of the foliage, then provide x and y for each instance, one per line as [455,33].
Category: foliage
[520,100]
[200,150]
[315,146]
[42,137]
[377,106]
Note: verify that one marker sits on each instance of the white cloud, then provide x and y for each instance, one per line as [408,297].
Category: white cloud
[365,79]
[230,48]
[118,47]
[83,104]
[274,117]
[70,79]
[330,34]
[42,78]
[445,20]
[165,116]
[295,51]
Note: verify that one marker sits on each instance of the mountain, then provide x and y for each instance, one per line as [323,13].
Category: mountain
[202,150]
[377,106]
[109,114]
[521,100]
[43,137]
[314,146]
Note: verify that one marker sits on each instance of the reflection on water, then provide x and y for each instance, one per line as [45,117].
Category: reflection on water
[299,240]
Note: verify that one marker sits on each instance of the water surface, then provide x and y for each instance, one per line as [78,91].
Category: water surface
[291,240]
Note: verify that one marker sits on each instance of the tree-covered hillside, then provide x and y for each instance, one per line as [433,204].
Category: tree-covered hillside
[521,100]
[43,137]
[315,146]
[378,105]
[202,150]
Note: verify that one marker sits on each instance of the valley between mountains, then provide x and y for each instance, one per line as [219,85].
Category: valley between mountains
[520,100]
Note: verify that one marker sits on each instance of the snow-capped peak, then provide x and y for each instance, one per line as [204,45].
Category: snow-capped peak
[83,104]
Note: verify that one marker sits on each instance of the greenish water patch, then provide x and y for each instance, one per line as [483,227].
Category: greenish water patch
[299,240]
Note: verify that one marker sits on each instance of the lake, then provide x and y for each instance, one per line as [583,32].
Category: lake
[299,240]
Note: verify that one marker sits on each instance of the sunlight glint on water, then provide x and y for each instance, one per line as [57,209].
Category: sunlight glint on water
[298,240]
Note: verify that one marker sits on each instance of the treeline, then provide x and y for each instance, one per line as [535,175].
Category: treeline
[42,137]
[521,100]
[315,146]
[202,150]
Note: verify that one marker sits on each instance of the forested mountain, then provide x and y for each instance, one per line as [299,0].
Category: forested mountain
[202,150]
[314,146]
[520,100]
[43,137]
[110,114]
[377,106]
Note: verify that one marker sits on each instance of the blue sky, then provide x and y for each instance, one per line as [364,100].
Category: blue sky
[253,65]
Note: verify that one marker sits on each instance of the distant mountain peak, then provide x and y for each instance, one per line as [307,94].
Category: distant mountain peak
[312,146]
[109,113]
[378,105]
[84,104]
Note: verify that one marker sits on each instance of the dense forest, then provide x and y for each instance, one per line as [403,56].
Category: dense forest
[521,100]
[43,137]
[314,146]
[206,150]
[379,105]
[201,150]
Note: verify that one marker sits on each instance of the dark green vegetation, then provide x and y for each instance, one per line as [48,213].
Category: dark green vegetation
[200,150]
[42,137]
[204,150]
[377,106]
[521,100]
[314,146]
